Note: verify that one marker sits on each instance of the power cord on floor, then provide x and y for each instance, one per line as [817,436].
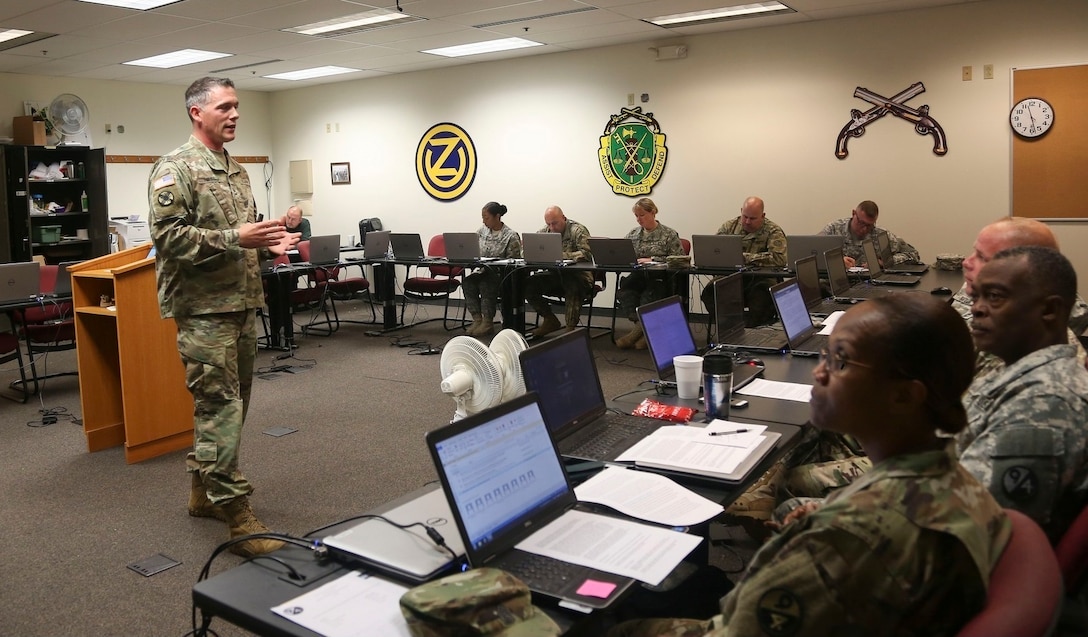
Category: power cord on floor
[52,416]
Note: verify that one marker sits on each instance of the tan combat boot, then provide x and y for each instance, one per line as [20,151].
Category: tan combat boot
[243,521]
[547,326]
[628,340]
[199,504]
[477,321]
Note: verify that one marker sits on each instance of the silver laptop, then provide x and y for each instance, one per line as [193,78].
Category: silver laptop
[376,245]
[877,274]
[406,246]
[723,251]
[802,335]
[841,288]
[884,251]
[325,249]
[544,248]
[612,251]
[19,281]
[405,553]
[462,246]
[799,246]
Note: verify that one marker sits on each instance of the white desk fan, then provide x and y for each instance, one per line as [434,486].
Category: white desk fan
[71,118]
[479,377]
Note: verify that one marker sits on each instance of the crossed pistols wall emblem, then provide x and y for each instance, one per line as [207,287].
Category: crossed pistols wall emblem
[632,153]
[894,105]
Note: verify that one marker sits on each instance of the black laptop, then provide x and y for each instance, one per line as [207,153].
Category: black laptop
[808,277]
[407,246]
[668,334]
[63,286]
[505,481]
[800,331]
[614,252]
[730,332]
[878,275]
[799,246]
[884,250]
[841,288]
[562,371]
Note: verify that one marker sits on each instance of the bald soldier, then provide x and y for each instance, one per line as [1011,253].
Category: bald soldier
[572,285]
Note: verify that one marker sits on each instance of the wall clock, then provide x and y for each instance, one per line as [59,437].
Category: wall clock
[1031,117]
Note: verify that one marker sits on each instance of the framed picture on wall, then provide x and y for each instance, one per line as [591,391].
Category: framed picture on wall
[341,173]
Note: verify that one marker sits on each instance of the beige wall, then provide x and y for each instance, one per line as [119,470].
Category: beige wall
[747,112]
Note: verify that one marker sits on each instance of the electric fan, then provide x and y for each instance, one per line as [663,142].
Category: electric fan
[505,348]
[470,375]
[71,118]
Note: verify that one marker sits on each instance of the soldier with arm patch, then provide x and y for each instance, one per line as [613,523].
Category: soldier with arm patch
[653,242]
[859,225]
[572,285]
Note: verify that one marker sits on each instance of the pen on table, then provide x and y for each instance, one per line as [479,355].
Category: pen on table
[726,433]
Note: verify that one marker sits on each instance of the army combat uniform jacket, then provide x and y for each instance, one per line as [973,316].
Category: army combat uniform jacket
[657,244]
[1027,436]
[764,247]
[199,198]
[902,252]
[907,549]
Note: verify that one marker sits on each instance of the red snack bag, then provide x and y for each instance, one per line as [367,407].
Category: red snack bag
[653,409]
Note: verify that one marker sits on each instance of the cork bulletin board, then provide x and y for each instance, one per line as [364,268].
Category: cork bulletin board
[1050,173]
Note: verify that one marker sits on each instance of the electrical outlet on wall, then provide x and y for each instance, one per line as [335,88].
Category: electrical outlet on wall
[968,72]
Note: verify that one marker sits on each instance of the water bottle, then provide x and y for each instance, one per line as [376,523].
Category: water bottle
[83,203]
[717,385]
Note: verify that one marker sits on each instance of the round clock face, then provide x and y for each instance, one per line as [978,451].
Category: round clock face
[1031,117]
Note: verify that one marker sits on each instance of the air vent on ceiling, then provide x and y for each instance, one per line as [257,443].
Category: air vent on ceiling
[245,66]
[535,17]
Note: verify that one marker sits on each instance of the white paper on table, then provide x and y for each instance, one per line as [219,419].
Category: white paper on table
[777,389]
[354,605]
[647,496]
[830,320]
[646,553]
[694,449]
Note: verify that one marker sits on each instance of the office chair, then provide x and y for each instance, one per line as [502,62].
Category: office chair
[1025,597]
[47,327]
[600,282]
[10,350]
[313,296]
[1072,553]
[685,244]
[443,281]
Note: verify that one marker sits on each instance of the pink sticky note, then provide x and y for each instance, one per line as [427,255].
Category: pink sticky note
[593,588]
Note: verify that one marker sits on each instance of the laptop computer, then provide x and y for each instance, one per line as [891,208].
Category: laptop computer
[724,251]
[884,251]
[19,281]
[404,553]
[802,245]
[612,251]
[376,245]
[407,246]
[876,272]
[325,249]
[543,248]
[841,288]
[730,330]
[800,331]
[63,286]
[563,373]
[462,246]
[808,277]
[668,334]
[505,481]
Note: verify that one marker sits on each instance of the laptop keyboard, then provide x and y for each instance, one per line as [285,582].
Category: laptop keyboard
[537,571]
[614,430]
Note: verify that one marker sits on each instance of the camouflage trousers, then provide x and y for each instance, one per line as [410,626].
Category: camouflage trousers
[818,479]
[218,351]
[572,286]
[482,292]
[640,288]
[674,627]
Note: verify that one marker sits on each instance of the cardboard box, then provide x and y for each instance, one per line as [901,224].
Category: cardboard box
[27,131]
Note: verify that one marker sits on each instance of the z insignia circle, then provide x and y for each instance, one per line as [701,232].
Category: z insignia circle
[446,162]
[779,612]
[632,153]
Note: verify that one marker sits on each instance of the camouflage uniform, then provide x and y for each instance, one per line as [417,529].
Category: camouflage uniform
[902,252]
[907,549]
[482,601]
[642,286]
[211,287]
[572,285]
[481,288]
[1027,439]
[765,247]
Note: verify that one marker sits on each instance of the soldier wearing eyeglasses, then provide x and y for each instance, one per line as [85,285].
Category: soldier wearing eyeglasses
[861,224]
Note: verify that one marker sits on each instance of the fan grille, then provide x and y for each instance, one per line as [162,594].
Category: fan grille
[69,114]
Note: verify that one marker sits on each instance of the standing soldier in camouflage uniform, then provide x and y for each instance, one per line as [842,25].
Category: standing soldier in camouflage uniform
[653,242]
[908,548]
[206,240]
[1027,434]
[481,288]
[572,285]
[859,225]
[764,245]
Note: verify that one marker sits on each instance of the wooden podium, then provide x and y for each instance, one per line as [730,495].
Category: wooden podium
[131,380]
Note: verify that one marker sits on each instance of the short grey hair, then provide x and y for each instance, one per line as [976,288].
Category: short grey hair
[197,93]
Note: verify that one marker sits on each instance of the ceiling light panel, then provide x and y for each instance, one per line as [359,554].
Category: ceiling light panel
[356,23]
[309,74]
[734,12]
[477,48]
[177,58]
[139,5]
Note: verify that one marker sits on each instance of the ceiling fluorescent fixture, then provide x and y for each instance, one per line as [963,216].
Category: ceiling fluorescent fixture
[735,12]
[178,58]
[309,74]
[11,34]
[14,38]
[490,46]
[141,5]
[356,22]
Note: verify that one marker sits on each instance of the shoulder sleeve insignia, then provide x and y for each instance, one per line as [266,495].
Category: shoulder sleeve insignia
[164,181]
[165,198]
[1020,484]
[780,613]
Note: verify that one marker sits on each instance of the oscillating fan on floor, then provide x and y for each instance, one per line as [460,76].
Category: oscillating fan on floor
[470,375]
[505,348]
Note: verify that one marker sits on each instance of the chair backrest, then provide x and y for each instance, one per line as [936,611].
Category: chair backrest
[686,244]
[437,248]
[1026,592]
[304,250]
[1072,552]
[47,276]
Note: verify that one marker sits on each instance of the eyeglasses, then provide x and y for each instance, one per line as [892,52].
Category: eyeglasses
[837,362]
[864,224]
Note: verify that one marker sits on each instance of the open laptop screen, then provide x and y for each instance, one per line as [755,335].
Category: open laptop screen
[667,333]
[563,373]
[792,310]
[728,304]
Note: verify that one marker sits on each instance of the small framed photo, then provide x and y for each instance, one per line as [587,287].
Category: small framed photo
[341,173]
